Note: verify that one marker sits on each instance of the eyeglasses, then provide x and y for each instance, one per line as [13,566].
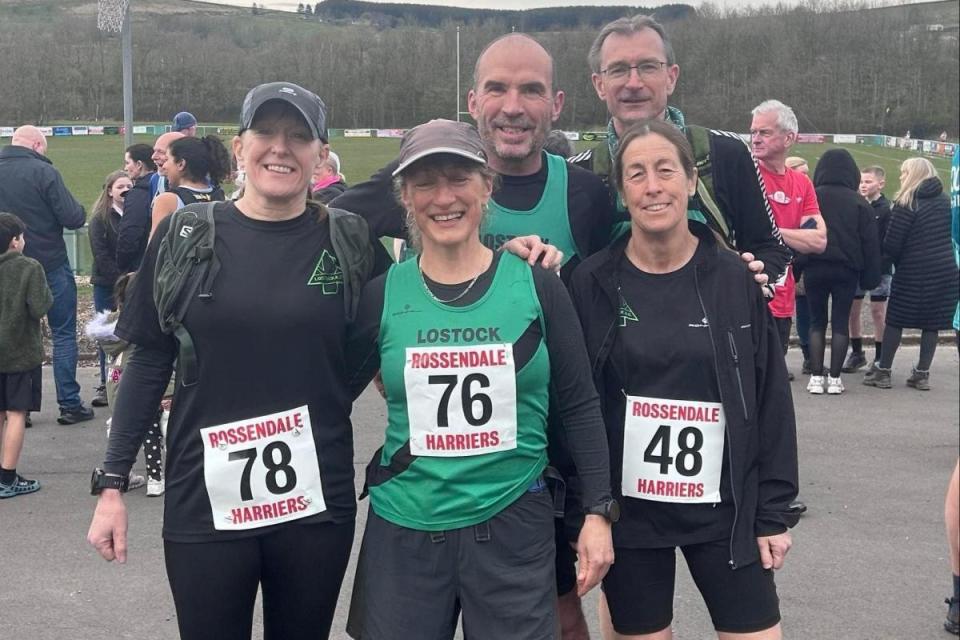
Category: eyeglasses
[645,69]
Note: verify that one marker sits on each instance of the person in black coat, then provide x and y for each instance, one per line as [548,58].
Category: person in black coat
[852,257]
[107,213]
[132,234]
[923,294]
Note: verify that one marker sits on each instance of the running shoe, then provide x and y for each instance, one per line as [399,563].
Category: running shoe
[834,385]
[855,361]
[135,481]
[74,415]
[154,487]
[919,380]
[100,397]
[952,623]
[20,486]
[815,386]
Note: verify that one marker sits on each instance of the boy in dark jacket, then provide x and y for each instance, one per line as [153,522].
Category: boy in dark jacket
[26,299]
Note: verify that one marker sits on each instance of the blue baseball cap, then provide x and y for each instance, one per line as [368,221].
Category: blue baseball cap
[184,120]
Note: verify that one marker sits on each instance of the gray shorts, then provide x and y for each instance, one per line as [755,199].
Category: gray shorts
[880,294]
[499,575]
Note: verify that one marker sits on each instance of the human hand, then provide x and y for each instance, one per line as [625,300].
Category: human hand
[108,530]
[773,549]
[755,266]
[533,249]
[595,549]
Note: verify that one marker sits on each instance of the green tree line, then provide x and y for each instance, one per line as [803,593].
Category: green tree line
[847,71]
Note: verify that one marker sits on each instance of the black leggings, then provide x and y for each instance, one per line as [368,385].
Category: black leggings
[824,282]
[891,342]
[299,568]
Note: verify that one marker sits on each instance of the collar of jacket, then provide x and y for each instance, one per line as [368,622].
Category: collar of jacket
[16,151]
[606,274]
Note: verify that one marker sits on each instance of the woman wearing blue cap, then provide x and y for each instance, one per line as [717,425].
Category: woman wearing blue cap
[259,484]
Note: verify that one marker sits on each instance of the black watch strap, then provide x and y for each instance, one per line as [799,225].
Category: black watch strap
[101,480]
[608,508]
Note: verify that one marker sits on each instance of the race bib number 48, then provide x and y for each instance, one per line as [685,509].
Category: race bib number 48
[673,450]
[262,471]
[461,401]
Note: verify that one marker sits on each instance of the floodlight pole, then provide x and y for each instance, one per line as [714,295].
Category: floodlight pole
[126,40]
[458,74]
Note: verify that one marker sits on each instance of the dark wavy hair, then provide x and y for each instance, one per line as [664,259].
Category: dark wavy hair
[203,157]
[10,227]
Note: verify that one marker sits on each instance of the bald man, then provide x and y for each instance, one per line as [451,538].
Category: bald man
[33,189]
[515,102]
[134,229]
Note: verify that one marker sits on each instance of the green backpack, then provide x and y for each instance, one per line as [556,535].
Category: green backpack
[187,266]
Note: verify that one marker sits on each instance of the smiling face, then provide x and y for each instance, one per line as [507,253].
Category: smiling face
[278,153]
[160,148]
[655,187]
[447,201]
[513,102]
[636,96]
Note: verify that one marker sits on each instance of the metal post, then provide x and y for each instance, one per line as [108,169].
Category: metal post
[127,57]
[458,74]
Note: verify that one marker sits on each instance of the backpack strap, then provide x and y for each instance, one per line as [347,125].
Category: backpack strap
[186,268]
[350,237]
[699,138]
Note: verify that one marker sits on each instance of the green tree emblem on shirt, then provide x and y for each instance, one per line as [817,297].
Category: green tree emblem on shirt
[626,313]
[327,274]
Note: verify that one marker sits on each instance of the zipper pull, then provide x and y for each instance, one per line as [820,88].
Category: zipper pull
[733,347]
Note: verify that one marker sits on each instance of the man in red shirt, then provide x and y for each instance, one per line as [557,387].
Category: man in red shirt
[791,196]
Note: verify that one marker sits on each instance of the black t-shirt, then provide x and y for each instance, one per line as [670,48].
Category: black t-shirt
[578,404]
[662,350]
[271,339]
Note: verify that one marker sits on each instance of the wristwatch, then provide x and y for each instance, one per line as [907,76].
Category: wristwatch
[608,508]
[100,481]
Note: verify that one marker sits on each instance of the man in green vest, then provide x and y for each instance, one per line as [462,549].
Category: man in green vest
[634,71]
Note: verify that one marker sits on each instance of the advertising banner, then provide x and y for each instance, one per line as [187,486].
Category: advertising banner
[572,135]
[390,133]
[139,128]
[844,138]
[95,131]
[81,131]
[357,133]
[6,132]
[812,138]
[63,131]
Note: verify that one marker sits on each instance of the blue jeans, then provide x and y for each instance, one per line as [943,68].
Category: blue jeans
[63,325]
[103,301]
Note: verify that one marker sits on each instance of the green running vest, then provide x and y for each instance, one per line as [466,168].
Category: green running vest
[549,219]
[464,403]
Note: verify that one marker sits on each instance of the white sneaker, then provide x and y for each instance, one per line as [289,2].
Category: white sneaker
[815,386]
[135,481]
[834,386]
[155,487]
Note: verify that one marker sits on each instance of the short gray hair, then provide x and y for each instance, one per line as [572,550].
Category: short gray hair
[786,118]
[626,27]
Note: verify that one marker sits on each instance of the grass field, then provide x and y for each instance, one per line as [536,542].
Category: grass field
[85,161]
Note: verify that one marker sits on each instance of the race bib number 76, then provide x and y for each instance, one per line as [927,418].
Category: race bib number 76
[262,471]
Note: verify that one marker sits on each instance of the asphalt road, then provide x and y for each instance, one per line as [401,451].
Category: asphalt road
[869,561]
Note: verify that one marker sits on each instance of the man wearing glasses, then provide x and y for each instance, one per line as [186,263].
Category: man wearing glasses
[634,71]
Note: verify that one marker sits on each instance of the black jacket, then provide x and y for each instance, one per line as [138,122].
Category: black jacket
[852,237]
[923,294]
[134,227]
[737,190]
[881,209]
[31,188]
[103,244]
[330,191]
[751,375]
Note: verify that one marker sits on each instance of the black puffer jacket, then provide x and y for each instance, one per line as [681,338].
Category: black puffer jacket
[852,237]
[103,244]
[751,374]
[134,228]
[923,294]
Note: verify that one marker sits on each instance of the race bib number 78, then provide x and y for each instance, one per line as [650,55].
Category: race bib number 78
[262,471]
[673,450]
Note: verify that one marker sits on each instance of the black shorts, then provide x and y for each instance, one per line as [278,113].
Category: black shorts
[498,574]
[639,589]
[21,391]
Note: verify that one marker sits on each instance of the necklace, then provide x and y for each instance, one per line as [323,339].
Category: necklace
[423,281]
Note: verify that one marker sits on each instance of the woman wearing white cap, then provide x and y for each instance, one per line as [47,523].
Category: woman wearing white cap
[470,343]
[259,484]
